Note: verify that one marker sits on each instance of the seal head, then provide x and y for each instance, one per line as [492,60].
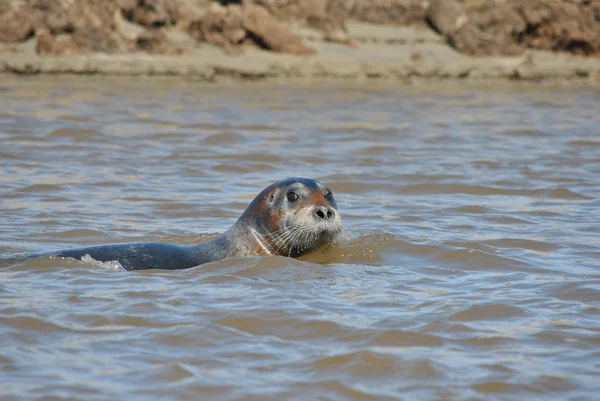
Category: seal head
[292,217]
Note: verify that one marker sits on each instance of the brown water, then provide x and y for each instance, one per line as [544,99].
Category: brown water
[472,271]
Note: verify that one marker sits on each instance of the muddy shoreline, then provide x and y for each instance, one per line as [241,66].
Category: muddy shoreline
[392,53]
[232,42]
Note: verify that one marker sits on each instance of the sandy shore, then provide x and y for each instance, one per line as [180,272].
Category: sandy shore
[381,52]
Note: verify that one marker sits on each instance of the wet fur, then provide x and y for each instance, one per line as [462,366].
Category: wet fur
[270,225]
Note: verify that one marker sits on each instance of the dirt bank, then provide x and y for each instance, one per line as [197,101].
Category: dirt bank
[303,38]
[512,26]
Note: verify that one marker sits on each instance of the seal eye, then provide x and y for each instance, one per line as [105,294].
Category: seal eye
[329,195]
[292,196]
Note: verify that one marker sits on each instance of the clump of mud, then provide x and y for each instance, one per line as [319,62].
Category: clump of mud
[475,27]
[392,12]
[488,27]
[63,27]
[247,25]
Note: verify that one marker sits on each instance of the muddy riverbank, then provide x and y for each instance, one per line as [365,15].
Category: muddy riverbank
[208,40]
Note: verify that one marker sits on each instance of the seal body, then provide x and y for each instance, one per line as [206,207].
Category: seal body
[289,218]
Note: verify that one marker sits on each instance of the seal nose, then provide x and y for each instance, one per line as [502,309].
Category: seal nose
[324,213]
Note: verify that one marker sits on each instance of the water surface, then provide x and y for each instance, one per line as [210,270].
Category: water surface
[471,272]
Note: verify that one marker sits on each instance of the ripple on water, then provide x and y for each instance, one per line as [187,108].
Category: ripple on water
[468,210]
[437,188]
[488,311]
[564,193]
[286,327]
[527,133]
[79,134]
[507,220]
[8,156]
[473,259]
[225,137]
[40,188]
[400,338]
[522,243]
[542,385]
[31,323]
[358,364]
[576,291]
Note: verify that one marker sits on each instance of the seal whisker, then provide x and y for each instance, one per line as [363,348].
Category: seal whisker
[297,234]
[282,240]
[276,234]
[258,238]
[303,239]
[293,238]
[287,240]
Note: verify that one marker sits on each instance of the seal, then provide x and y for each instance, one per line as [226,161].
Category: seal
[289,218]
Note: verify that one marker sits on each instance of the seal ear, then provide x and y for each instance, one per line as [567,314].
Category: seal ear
[272,196]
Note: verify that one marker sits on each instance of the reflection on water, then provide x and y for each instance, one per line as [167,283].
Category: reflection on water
[470,270]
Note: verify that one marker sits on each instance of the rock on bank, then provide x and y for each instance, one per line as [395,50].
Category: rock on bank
[361,39]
